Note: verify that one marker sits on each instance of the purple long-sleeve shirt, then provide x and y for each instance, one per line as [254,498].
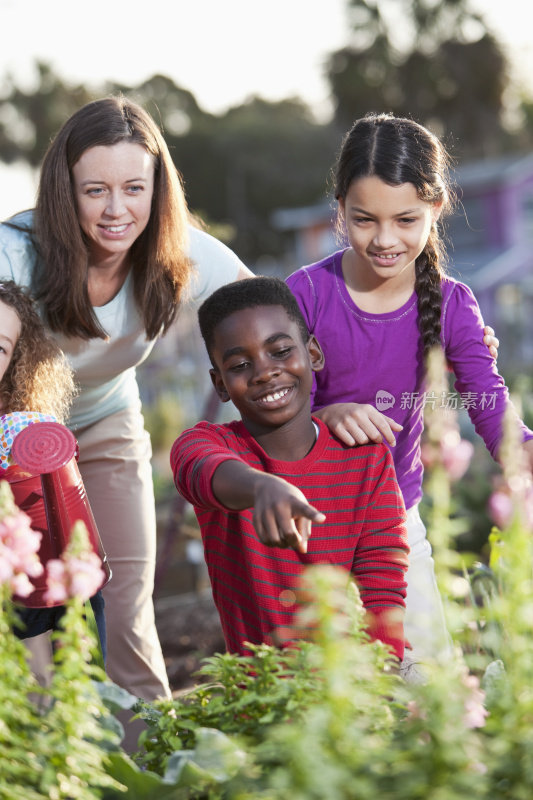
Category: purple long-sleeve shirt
[376,358]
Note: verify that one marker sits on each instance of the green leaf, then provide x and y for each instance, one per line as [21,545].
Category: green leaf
[114,696]
[141,785]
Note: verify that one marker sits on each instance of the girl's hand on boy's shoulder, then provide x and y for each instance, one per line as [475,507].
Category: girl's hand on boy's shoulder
[356,423]
[282,517]
[491,341]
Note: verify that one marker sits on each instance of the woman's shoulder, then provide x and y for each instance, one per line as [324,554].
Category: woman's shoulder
[203,245]
[214,264]
[20,224]
[17,251]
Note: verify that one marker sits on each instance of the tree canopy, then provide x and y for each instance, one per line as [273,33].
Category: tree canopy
[432,60]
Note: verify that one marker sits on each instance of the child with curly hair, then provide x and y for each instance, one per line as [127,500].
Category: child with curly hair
[36,385]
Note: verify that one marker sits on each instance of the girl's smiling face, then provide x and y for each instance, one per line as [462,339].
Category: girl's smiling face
[387,227]
[9,334]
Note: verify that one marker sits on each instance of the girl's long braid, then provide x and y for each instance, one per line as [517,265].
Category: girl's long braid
[428,273]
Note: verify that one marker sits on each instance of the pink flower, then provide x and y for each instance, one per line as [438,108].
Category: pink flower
[86,576]
[456,454]
[56,582]
[475,712]
[451,451]
[19,545]
[56,594]
[501,509]
[414,711]
[6,567]
[21,585]
[78,573]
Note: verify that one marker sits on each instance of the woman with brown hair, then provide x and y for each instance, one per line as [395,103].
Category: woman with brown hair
[109,254]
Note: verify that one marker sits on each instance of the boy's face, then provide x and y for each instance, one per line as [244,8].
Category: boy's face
[264,367]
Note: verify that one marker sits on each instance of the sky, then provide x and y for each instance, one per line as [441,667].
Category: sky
[221,50]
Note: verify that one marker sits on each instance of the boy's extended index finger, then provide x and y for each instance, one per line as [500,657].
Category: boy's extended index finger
[303,525]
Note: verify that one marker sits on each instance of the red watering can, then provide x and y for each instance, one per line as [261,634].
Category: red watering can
[48,487]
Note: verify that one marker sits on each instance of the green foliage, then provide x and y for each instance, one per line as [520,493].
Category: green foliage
[332,719]
[52,741]
[508,614]
[245,694]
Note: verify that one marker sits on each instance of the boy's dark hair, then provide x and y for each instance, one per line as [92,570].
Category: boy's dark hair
[247,293]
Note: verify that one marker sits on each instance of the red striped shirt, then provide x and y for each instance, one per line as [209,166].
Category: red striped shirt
[364,531]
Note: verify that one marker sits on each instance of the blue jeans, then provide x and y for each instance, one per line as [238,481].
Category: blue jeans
[39,620]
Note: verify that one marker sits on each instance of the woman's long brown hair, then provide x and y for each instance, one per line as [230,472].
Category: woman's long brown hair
[159,262]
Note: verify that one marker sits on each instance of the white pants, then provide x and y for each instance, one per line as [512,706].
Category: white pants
[424,624]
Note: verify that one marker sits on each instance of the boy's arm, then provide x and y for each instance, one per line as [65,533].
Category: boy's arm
[381,558]
[211,475]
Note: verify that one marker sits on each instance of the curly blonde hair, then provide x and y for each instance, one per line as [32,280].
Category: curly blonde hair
[38,377]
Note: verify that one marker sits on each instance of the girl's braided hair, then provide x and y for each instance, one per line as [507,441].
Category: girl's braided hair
[398,150]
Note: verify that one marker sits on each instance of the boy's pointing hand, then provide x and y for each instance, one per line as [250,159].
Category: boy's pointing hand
[282,516]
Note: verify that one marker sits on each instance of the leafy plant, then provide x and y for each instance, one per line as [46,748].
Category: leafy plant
[244,696]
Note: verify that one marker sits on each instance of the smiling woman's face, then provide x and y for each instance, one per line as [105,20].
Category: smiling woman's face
[9,334]
[113,186]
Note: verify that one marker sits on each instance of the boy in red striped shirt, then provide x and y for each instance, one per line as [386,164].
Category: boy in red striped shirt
[258,485]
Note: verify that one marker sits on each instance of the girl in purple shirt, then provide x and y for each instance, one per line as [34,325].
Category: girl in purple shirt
[377,308]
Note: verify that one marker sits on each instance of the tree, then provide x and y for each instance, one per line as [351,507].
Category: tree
[433,60]
[29,120]
[274,154]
